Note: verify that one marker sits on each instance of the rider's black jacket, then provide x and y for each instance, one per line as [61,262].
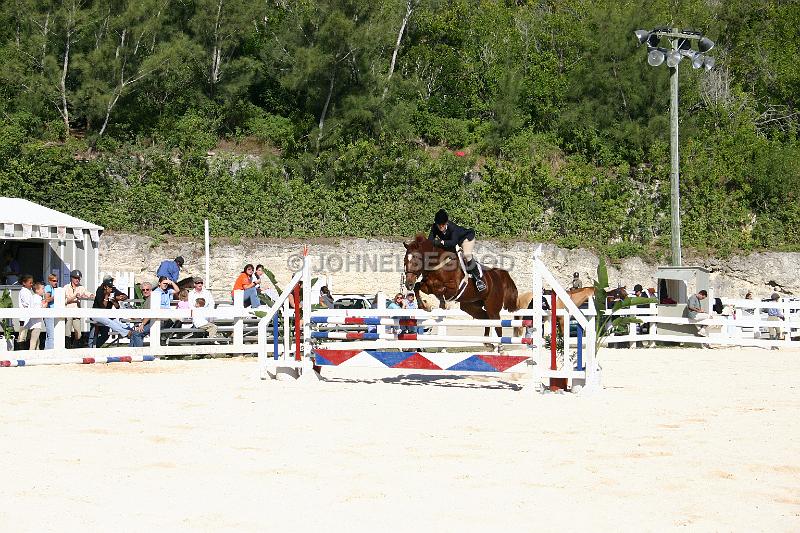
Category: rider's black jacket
[453,235]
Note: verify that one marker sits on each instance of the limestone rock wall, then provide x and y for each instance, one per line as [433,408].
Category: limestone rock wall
[367,266]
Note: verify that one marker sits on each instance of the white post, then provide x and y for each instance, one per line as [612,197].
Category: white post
[59,324]
[208,256]
[381,297]
[155,328]
[238,322]
[536,318]
[287,331]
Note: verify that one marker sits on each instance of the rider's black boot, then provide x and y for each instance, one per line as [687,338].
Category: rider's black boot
[479,283]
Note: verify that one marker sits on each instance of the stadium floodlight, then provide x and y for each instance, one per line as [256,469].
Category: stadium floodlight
[680,46]
[655,57]
[673,58]
[705,44]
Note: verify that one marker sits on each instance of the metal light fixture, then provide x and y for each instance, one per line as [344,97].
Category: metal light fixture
[655,57]
[673,58]
[680,46]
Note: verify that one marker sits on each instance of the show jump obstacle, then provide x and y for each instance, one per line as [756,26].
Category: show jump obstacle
[391,339]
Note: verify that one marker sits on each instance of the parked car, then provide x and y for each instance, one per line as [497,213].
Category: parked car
[354,301]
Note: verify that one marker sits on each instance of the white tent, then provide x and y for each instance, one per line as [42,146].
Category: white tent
[45,241]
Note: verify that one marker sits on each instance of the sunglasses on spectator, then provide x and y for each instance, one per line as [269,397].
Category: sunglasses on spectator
[198,282]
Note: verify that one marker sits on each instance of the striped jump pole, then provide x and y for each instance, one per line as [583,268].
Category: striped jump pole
[472,339]
[413,360]
[77,360]
[411,322]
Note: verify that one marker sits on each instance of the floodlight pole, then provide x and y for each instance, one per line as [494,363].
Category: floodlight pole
[674,175]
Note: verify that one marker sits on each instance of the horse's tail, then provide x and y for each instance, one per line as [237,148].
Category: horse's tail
[511,294]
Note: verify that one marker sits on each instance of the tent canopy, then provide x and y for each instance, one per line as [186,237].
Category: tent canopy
[21,211]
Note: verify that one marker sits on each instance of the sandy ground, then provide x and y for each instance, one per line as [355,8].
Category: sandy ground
[703,440]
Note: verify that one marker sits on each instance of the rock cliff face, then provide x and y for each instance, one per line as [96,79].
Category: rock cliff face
[368,266]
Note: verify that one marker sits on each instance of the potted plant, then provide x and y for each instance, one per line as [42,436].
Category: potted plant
[6,329]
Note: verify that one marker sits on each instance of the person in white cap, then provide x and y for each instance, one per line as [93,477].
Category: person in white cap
[74,292]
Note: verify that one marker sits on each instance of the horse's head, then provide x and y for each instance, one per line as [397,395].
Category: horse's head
[414,260]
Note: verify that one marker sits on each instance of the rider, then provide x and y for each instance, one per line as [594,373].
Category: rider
[448,235]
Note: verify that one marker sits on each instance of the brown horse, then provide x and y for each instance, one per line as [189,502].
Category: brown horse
[437,272]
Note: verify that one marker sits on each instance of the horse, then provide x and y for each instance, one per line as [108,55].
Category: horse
[435,271]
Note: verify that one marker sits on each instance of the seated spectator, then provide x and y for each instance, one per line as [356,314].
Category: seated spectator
[10,268]
[695,310]
[576,282]
[290,299]
[411,303]
[203,322]
[245,283]
[183,299]
[34,324]
[775,314]
[200,291]
[107,297]
[170,269]
[325,297]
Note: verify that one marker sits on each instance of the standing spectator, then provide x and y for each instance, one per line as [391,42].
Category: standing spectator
[25,302]
[34,324]
[10,268]
[200,291]
[325,297]
[576,282]
[165,293]
[199,320]
[245,283]
[170,269]
[695,310]
[775,314]
[74,292]
[49,323]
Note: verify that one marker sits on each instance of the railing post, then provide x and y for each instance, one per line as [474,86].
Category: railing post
[238,322]
[59,324]
[155,327]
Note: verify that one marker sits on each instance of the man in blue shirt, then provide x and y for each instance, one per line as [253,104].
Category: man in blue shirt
[774,313]
[171,269]
[164,292]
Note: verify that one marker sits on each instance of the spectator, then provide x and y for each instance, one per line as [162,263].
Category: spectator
[199,320]
[245,283]
[49,323]
[695,310]
[397,303]
[775,314]
[107,297]
[10,268]
[576,281]
[748,295]
[144,326]
[74,292]
[34,324]
[325,297]
[200,291]
[411,303]
[290,299]
[25,302]
[170,269]
[165,293]
[183,299]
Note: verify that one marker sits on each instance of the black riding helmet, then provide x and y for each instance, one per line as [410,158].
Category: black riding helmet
[441,217]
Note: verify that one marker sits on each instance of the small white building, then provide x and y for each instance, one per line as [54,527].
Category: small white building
[44,241]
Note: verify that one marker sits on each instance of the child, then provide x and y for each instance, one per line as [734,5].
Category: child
[34,324]
[183,299]
[202,322]
[49,323]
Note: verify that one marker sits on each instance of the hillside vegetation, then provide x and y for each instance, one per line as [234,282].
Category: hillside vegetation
[525,119]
